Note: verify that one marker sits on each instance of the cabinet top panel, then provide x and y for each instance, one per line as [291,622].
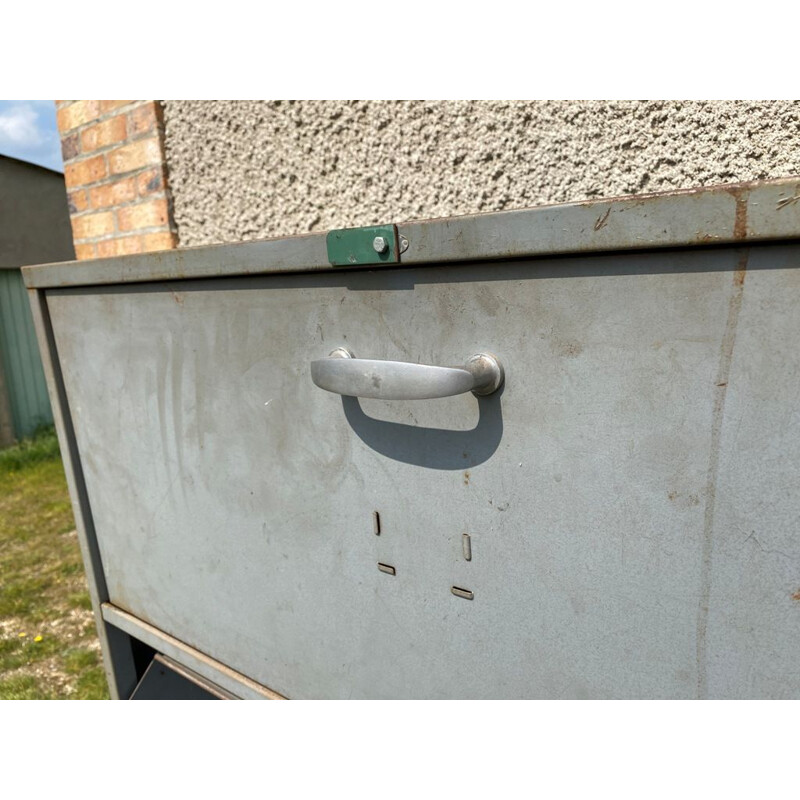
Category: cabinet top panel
[725,214]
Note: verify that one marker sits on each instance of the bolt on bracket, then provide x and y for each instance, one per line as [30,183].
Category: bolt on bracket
[364,246]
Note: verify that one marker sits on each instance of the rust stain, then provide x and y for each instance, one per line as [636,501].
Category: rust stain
[602,221]
[740,195]
[691,499]
[636,199]
[178,298]
[466,478]
[695,190]
[718,413]
[796,596]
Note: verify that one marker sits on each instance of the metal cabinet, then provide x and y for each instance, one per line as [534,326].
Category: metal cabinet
[618,519]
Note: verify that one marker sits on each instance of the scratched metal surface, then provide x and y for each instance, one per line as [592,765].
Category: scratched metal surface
[630,495]
[745,212]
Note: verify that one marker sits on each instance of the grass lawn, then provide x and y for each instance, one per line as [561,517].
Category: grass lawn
[48,642]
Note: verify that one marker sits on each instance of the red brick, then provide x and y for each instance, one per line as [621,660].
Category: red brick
[83,251]
[159,241]
[130,166]
[114,193]
[77,201]
[110,105]
[70,147]
[150,181]
[91,225]
[150,214]
[135,156]
[89,170]
[107,248]
[143,119]
[128,245]
[78,113]
[103,134]
[119,247]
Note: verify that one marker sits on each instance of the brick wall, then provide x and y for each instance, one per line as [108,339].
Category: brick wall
[116,176]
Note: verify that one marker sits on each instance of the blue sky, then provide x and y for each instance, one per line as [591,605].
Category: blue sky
[28,131]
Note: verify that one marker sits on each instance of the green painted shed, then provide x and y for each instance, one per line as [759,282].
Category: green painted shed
[34,229]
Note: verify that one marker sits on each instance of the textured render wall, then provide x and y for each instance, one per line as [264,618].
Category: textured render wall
[246,170]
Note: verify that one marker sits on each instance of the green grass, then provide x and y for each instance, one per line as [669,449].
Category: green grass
[42,446]
[24,687]
[43,593]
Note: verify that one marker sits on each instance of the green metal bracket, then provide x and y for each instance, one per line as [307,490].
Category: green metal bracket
[357,246]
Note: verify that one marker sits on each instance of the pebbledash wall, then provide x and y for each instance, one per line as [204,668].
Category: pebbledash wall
[245,170]
[239,170]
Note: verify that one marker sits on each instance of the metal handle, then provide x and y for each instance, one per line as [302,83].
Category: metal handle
[345,374]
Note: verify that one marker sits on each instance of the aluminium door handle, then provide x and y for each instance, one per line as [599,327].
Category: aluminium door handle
[345,374]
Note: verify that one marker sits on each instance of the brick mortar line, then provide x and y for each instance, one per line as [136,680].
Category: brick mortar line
[84,185]
[121,233]
[115,237]
[110,209]
[103,151]
[137,137]
[160,195]
[115,178]
[163,194]
[115,112]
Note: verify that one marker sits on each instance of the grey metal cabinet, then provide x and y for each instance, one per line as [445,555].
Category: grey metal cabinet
[619,519]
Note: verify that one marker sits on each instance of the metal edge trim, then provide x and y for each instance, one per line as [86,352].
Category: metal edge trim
[117,661]
[712,215]
[716,215]
[187,656]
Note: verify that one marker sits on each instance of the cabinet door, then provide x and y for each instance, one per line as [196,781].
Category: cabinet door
[234,500]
